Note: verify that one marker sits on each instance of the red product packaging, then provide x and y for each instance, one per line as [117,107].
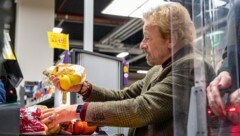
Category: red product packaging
[30,123]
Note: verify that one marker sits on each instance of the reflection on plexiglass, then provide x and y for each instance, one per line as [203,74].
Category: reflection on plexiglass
[217,38]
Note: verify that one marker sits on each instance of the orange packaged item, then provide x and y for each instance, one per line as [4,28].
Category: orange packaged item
[81,128]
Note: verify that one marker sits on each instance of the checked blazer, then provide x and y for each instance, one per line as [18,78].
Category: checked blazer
[146,107]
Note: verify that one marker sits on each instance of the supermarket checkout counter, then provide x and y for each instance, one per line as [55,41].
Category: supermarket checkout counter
[9,113]
[9,119]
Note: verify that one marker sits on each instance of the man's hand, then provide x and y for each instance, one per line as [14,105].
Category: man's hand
[222,81]
[234,102]
[54,116]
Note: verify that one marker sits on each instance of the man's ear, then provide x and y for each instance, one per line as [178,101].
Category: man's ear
[172,40]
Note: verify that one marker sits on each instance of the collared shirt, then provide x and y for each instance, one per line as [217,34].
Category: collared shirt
[184,50]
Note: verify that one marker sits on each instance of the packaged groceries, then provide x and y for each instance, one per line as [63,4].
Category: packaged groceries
[30,123]
[82,128]
[69,74]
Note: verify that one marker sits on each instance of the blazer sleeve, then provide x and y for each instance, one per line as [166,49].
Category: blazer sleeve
[101,94]
[153,106]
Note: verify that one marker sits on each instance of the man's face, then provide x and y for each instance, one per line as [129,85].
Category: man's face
[155,47]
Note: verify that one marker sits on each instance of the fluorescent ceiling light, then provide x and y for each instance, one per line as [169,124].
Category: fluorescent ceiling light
[120,8]
[146,7]
[122,54]
[57,30]
[133,8]
[218,3]
[215,33]
[198,39]
[142,71]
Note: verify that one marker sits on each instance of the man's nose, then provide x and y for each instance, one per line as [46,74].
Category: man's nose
[142,45]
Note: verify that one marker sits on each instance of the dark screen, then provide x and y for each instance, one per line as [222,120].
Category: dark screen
[13,72]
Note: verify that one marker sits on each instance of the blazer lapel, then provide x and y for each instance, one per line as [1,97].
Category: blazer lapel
[154,78]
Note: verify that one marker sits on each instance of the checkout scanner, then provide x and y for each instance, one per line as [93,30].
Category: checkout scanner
[10,74]
[9,119]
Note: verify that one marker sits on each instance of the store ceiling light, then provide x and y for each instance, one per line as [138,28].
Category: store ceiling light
[142,71]
[219,3]
[133,8]
[215,33]
[122,54]
[57,30]
[145,7]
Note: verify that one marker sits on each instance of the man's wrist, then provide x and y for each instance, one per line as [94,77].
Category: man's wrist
[84,111]
[78,111]
[85,89]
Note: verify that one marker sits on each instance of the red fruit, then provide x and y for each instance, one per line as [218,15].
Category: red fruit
[81,127]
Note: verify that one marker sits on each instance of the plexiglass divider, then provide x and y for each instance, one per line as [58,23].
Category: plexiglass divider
[217,27]
[212,20]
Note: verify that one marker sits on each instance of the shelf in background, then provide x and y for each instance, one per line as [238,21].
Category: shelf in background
[47,100]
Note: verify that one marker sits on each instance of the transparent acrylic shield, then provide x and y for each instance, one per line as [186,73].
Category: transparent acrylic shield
[216,46]
[215,49]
